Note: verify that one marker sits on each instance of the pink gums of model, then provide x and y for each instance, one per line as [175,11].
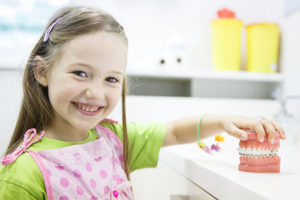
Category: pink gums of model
[259,157]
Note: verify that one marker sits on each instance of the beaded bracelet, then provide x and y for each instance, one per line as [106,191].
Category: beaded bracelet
[213,147]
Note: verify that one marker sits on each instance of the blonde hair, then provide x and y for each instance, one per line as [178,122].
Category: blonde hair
[36,110]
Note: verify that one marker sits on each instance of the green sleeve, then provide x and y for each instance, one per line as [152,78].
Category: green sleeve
[145,141]
[12,191]
[22,180]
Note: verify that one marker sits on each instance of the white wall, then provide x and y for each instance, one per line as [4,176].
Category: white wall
[10,99]
[290,63]
[152,25]
[290,53]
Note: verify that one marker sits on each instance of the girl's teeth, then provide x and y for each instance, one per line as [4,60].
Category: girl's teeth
[87,108]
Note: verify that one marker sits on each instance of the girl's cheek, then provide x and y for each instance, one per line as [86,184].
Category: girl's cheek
[116,96]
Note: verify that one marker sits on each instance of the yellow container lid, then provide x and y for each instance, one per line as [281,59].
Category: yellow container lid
[260,24]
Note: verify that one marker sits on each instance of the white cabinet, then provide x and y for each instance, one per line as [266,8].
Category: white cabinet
[164,183]
[193,192]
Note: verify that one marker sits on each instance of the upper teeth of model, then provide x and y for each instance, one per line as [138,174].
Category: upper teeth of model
[86,108]
[259,152]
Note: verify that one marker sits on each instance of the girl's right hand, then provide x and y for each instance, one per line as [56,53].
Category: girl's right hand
[238,125]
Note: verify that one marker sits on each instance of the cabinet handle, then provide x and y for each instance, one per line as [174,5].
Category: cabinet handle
[179,197]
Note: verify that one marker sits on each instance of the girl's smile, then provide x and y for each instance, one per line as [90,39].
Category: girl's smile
[88,109]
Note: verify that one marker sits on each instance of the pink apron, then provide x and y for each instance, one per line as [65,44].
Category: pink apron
[93,170]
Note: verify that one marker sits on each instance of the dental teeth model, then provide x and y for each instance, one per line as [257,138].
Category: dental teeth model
[259,157]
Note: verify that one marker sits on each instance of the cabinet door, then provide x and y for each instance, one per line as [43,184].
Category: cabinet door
[194,192]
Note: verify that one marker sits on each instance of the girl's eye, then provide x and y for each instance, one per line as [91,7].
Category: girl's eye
[112,80]
[80,73]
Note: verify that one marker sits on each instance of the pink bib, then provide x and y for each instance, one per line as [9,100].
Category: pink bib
[93,170]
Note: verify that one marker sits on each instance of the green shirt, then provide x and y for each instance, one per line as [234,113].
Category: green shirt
[23,179]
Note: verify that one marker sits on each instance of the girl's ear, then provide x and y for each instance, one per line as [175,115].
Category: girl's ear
[40,72]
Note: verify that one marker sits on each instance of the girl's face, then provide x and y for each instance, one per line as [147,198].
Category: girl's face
[86,83]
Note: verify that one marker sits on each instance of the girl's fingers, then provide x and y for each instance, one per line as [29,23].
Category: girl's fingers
[261,126]
[270,129]
[260,118]
[260,130]
[279,129]
[254,125]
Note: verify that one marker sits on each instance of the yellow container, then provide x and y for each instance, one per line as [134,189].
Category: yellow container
[226,43]
[262,47]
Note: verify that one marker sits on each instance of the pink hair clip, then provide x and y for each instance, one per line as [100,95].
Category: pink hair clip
[47,34]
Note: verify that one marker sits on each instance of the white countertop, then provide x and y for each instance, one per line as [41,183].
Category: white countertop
[218,174]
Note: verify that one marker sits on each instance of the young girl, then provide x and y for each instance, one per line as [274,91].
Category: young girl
[63,147]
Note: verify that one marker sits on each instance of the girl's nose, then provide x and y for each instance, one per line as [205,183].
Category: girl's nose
[95,91]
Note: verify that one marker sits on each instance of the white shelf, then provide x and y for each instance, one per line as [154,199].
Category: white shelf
[167,81]
[176,73]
